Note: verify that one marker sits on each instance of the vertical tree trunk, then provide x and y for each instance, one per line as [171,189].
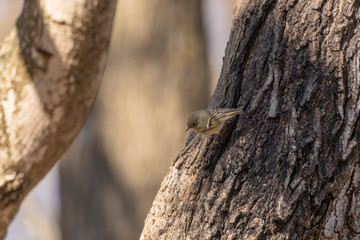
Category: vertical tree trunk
[157,74]
[50,67]
[288,168]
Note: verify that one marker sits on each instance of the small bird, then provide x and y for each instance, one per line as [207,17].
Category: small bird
[208,122]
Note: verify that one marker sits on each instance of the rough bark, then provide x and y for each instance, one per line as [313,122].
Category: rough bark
[288,168]
[50,67]
[156,75]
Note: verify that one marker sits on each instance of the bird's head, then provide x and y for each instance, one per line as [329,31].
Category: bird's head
[192,121]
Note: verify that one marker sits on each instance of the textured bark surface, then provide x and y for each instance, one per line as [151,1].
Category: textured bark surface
[50,67]
[156,75]
[288,168]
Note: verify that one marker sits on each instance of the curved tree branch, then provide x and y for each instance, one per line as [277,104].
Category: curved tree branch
[50,67]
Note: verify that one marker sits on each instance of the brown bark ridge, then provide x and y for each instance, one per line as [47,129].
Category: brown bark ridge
[288,168]
[50,67]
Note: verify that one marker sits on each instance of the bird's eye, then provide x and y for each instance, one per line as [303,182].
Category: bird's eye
[193,124]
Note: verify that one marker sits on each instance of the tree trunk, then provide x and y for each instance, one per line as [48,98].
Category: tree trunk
[288,168]
[157,74]
[50,67]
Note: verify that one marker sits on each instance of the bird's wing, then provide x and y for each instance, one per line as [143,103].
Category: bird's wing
[226,113]
[215,117]
[221,115]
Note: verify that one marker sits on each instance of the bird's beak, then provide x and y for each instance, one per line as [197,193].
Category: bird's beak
[187,129]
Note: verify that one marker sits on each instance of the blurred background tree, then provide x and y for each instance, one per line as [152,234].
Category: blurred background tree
[164,60]
[156,75]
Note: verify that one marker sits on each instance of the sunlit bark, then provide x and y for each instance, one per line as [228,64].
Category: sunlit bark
[50,67]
